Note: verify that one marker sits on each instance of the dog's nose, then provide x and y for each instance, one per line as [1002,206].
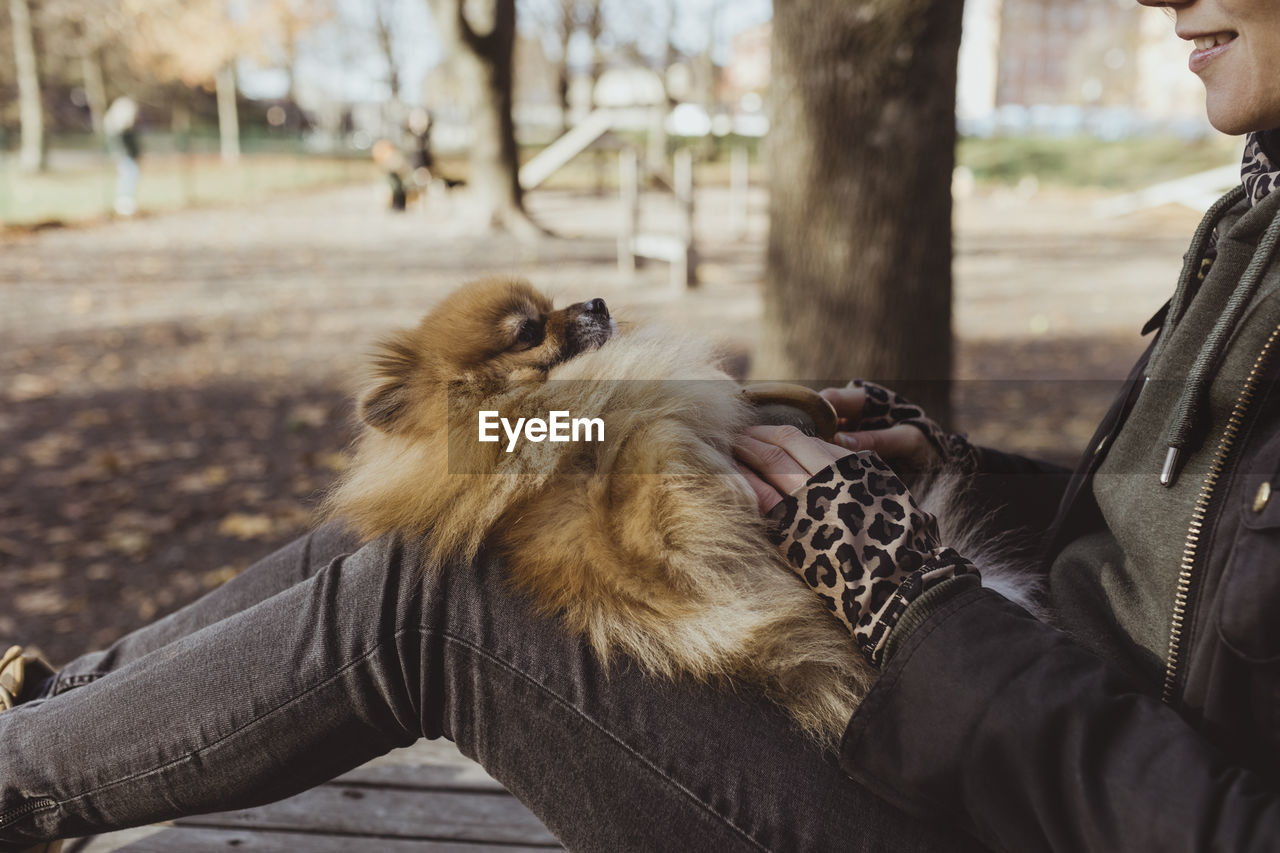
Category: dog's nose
[596,306]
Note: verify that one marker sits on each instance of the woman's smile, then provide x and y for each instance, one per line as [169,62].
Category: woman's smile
[1236,54]
[1209,48]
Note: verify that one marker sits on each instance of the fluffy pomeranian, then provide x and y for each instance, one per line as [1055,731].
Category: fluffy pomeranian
[646,542]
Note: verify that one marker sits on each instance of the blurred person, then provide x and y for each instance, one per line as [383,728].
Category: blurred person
[419,125]
[120,124]
[425,175]
[986,726]
[390,159]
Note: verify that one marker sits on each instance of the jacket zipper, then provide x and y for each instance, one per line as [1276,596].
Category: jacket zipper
[14,815]
[1181,602]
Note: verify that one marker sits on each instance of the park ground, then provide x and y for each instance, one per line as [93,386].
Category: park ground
[175,388]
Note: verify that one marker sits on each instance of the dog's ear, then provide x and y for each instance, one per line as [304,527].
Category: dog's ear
[394,363]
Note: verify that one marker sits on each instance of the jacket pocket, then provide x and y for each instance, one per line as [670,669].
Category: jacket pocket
[1247,620]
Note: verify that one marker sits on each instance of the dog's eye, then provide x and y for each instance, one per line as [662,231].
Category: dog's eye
[530,334]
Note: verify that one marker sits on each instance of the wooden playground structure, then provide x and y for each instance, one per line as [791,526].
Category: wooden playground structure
[636,242]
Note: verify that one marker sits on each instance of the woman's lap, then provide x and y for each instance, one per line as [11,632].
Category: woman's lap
[309,664]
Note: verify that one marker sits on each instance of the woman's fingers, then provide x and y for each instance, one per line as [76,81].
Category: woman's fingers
[774,465]
[902,442]
[767,497]
[812,453]
[784,457]
[847,401]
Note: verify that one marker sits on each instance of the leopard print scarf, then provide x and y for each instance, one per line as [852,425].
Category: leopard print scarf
[1258,172]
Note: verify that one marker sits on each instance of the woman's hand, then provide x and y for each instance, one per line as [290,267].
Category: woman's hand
[778,460]
[893,442]
[849,527]
[880,420]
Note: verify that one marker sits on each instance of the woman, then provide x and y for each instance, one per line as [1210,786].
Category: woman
[984,719]
[1161,561]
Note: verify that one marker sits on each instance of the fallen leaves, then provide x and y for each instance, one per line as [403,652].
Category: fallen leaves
[42,602]
[49,449]
[218,577]
[246,526]
[212,477]
[131,543]
[119,507]
[30,386]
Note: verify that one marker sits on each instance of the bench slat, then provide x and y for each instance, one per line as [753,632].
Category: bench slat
[480,816]
[212,840]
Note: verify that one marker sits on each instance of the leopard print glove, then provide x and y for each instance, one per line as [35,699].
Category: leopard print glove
[856,536]
[885,408]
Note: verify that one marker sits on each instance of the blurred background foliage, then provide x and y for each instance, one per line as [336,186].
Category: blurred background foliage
[1070,97]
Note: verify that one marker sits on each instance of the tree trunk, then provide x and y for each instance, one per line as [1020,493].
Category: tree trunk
[861,151]
[567,24]
[228,117]
[706,76]
[383,24]
[482,41]
[32,157]
[562,97]
[656,143]
[595,29]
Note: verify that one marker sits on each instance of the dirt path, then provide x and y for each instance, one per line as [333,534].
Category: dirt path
[172,389]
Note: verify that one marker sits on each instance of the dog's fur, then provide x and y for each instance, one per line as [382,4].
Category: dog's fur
[648,543]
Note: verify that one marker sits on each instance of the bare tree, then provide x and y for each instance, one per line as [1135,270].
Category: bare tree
[95,87]
[77,32]
[659,24]
[566,26]
[200,42]
[861,151]
[197,42]
[284,25]
[593,27]
[384,34]
[479,36]
[566,19]
[228,112]
[708,76]
[30,110]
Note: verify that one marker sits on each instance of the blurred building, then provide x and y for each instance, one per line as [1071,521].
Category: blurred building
[1166,90]
[1109,67]
[979,60]
[747,73]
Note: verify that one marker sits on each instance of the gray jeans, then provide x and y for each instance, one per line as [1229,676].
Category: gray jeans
[322,657]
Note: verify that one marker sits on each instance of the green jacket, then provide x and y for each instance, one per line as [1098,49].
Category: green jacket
[1038,738]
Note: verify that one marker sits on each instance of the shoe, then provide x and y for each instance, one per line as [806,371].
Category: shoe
[19,668]
[15,667]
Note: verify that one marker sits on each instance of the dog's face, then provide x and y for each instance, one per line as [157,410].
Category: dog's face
[484,336]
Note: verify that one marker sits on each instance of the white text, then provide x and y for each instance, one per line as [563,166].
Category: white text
[558,426]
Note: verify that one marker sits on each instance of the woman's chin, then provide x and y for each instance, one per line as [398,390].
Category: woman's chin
[1235,119]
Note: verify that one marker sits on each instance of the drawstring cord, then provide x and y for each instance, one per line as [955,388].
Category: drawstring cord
[1183,433]
[1191,266]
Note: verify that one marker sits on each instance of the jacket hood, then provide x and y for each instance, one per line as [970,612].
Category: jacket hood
[1186,431]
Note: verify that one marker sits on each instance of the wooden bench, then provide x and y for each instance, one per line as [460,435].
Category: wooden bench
[427,798]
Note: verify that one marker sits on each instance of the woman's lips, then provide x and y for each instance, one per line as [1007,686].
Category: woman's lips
[1202,56]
